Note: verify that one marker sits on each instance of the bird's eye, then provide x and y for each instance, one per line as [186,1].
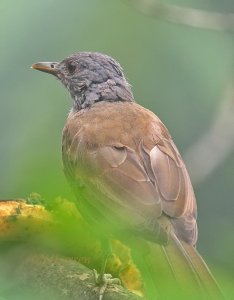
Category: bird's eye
[71,67]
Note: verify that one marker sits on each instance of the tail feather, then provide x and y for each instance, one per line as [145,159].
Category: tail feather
[174,271]
[159,275]
[186,276]
[209,283]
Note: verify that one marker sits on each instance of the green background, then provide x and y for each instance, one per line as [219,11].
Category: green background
[179,72]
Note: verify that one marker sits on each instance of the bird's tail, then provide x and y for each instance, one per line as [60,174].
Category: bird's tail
[175,271]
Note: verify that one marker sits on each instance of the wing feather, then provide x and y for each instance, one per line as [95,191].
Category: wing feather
[149,178]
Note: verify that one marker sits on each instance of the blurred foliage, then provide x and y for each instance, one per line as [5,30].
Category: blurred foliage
[48,249]
[178,72]
[30,231]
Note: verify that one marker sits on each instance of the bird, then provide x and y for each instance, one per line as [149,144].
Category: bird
[128,177]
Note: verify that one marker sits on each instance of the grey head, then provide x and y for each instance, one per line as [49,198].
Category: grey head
[90,77]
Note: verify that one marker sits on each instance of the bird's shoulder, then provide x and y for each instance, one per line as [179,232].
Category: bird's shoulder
[107,123]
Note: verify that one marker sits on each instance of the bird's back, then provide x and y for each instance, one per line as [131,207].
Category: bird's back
[125,152]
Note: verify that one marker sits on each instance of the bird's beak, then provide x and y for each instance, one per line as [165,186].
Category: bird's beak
[48,67]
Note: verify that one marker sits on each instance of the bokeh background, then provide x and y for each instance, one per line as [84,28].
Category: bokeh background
[181,72]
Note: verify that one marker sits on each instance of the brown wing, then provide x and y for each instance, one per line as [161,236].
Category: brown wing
[116,172]
[160,184]
[167,171]
[147,178]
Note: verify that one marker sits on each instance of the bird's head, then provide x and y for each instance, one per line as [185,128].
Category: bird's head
[89,77]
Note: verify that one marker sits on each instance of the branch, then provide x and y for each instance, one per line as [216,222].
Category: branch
[59,278]
[185,15]
[54,252]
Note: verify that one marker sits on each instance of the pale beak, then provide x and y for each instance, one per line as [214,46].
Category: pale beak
[47,67]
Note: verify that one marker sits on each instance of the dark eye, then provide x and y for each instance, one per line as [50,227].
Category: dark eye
[71,67]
